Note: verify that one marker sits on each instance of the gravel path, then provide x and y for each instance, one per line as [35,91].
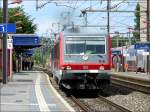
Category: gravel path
[135,101]
[99,106]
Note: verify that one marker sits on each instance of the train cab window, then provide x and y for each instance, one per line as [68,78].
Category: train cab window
[85,46]
[95,47]
[75,47]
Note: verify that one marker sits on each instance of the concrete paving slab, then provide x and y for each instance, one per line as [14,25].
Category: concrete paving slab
[30,91]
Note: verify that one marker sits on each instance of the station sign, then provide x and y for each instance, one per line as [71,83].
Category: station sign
[140,51]
[145,53]
[9,43]
[8,28]
[145,46]
[117,52]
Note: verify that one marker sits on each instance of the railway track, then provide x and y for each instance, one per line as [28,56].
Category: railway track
[82,106]
[123,109]
[139,84]
[85,108]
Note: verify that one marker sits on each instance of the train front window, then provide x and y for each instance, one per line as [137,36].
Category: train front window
[87,46]
[75,47]
[95,47]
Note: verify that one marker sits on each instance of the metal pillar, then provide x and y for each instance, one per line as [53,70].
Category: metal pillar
[148,33]
[108,16]
[86,19]
[5,20]
[10,62]
[21,62]
[36,5]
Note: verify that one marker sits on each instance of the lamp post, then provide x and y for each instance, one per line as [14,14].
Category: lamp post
[129,35]
[5,21]
[117,35]
[148,34]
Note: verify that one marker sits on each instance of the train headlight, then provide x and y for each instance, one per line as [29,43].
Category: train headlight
[68,67]
[101,68]
[62,68]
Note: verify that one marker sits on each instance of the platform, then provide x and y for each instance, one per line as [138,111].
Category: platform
[31,91]
[133,74]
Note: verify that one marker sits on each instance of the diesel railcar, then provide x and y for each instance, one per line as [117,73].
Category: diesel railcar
[81,60]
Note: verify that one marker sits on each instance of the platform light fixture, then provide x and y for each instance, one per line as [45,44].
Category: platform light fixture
[16,2]
[18,14]
[18,28]
[18,22]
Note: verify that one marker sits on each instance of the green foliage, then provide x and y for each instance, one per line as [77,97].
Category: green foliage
[26,22]
[137,22]
[118,41]
[42,54]
[37,57]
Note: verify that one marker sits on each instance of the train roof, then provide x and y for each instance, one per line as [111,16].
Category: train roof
[83,31]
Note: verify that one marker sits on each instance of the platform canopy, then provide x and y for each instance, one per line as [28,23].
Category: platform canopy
[24,42]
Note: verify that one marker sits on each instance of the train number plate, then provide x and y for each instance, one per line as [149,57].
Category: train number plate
[85,67]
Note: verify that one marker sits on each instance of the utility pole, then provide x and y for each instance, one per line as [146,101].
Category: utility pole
[148,33]
[84,13]
[86,19]
[36,5]
[5,21]
[68,14]
[108,16]
[129,39]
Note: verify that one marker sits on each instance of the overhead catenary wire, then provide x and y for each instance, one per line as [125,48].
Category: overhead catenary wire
[77,4]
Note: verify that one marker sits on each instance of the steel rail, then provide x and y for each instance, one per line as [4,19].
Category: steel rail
[84,107]
[139,84]
[132,85]
[113,104]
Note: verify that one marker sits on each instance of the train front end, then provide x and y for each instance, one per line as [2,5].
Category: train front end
[84,61]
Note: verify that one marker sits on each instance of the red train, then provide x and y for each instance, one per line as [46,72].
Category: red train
[80,59]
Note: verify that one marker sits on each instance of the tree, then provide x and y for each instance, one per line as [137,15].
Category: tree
[136,34]
[26,22]
[117,41]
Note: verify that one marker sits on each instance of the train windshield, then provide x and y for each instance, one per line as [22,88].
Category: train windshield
[85,47]
[95,47]
[75,47]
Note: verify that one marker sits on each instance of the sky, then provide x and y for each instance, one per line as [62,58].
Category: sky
[47,17]
[43,17]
